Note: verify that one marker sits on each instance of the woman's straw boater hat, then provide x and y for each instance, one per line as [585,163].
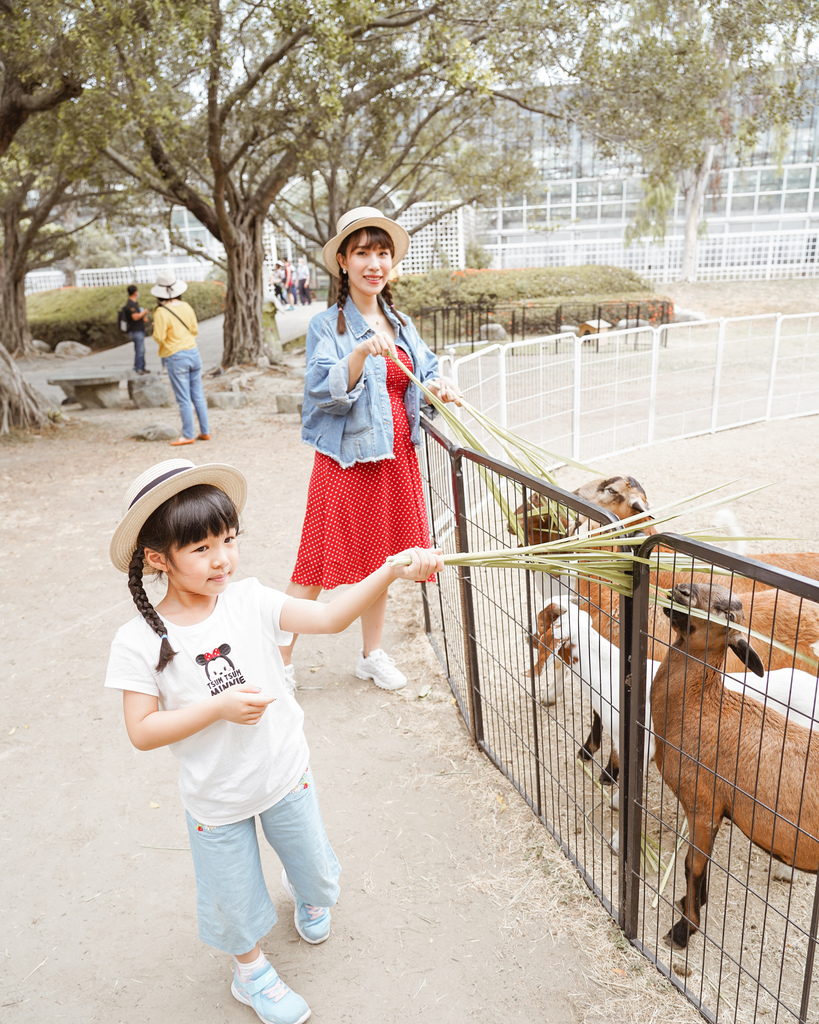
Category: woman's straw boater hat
[364,217]
[167,287]
[159,483]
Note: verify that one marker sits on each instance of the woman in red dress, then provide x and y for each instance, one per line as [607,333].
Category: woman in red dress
[361,414]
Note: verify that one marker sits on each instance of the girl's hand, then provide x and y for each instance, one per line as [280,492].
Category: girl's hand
[376,345]
[445,390]
[423,563]
[243,705]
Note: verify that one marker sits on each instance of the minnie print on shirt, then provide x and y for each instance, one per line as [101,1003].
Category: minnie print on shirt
[219,669]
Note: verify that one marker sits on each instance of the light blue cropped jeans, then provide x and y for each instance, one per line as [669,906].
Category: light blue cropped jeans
[185,374]
[233,905]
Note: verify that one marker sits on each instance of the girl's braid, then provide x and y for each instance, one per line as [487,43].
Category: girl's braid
[146,609]
[386,291]
[343,292]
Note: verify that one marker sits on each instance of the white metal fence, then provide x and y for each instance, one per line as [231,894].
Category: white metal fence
[607,394]
[746,256]
[45,280]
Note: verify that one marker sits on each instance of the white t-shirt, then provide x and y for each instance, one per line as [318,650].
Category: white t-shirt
[228,772]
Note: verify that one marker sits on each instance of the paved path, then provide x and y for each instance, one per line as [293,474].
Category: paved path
[291,325]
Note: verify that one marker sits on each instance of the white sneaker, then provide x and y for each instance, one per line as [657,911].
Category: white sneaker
[379,667]
[290,679]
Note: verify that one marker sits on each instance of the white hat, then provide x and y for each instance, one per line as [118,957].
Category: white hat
[167,287]
[155,486]
[364,217]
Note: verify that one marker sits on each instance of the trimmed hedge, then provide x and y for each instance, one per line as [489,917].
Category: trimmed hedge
[89,315]
[487,287]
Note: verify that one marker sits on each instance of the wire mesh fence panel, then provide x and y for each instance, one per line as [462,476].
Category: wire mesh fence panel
[615,391]
[442,600]
[795,384]
[743,371]
[539,383]
[727,794]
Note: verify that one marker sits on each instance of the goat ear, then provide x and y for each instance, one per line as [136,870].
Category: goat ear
[743,650]
[552,611]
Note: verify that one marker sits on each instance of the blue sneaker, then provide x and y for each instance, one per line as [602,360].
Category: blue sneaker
[312,923]
[268,995]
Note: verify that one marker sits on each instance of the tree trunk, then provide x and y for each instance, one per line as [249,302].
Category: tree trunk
[243,331]
[694,184]
[15,336]
[21,405]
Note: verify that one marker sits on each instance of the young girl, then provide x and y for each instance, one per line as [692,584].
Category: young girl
[361,415]
[201,673]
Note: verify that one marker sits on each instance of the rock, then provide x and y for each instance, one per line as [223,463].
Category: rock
[685,316]
[289,403]
[263,362]
[156,432]
[493,332]
[66,349]
[226,400]
[623,325]
[42,346]
[149,392]
[568,329]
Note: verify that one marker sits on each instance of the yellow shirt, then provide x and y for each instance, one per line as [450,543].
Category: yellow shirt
[171,335]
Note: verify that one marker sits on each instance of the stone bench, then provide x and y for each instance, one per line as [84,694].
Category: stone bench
[92,390]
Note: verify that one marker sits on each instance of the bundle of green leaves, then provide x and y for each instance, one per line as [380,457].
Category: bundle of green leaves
[89,315]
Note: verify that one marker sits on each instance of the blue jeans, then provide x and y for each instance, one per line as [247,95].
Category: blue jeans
[232,902]
[138,338]
[185,374]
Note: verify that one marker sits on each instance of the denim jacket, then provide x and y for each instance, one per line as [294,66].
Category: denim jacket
[356,426]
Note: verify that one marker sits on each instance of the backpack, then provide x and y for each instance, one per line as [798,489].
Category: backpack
[124,319]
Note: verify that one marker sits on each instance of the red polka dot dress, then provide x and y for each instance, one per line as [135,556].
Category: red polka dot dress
[358,516]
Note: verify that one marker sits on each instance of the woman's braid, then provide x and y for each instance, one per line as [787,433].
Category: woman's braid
[146,609]
[386,292]
[343,292]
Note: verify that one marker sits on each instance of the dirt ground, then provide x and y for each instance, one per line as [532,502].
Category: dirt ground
[455,904]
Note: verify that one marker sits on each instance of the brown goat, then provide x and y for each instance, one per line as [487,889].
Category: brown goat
[784,617]
[725,755]
[623,496]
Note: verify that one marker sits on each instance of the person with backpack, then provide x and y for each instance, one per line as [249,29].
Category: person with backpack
[133,319]
[175,331]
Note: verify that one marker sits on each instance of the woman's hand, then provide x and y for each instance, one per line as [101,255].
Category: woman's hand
[376,345]
[423,563]
[445,390]
[243,705]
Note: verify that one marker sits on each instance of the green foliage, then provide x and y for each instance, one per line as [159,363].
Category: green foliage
[477,258]
[89,315]
[447,287]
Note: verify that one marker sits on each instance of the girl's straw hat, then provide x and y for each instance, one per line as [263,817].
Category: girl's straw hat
[167,287]
[364,217]
[159,483]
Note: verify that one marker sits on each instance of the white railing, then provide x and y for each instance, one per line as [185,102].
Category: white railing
[746,256]
[45,280]
[606,394]
[139,275]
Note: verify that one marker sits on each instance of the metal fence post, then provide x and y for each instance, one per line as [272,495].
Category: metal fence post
[772,371]
[652,386]
[502,414]
[576,383]
[717,375]
[633,628]
[467,604]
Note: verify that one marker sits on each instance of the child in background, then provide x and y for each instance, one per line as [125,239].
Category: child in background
[202,674]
